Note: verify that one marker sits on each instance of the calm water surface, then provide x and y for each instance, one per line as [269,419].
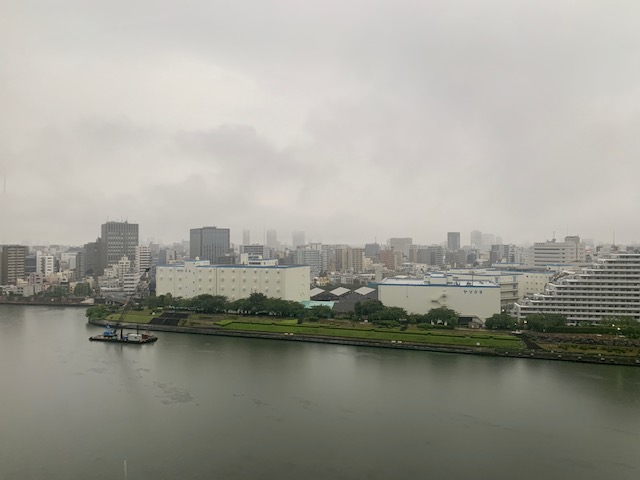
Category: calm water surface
[202,407]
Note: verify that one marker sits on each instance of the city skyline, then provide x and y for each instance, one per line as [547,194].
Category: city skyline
[350,121]
[262,238]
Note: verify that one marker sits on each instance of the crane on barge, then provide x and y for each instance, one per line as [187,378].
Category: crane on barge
[110,335]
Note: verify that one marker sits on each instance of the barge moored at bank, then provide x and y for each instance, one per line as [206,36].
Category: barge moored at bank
[110,335]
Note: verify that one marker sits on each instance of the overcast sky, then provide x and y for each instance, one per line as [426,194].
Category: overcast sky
[351,120]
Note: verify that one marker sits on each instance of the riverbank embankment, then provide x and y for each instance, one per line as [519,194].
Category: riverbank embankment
[290,336]
[53,302]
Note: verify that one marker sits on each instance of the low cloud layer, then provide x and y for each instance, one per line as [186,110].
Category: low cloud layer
[349,121]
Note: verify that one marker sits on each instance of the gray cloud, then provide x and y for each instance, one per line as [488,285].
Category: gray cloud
[349,120]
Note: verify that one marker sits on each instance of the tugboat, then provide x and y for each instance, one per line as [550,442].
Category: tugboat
[111,335]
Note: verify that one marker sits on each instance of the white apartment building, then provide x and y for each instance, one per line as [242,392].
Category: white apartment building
[609,288]
[45,264]
[198,277]
[470,298]
[532,282]
[142,259]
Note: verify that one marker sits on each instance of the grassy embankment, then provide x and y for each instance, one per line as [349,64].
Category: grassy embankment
[592,349]
[343,329]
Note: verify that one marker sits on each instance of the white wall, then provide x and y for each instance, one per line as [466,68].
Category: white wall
[233,281]
[471,301]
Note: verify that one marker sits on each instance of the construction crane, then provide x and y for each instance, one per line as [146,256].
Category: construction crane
[128,304]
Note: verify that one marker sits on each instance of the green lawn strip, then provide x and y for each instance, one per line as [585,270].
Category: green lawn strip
[457,340]
[133,316]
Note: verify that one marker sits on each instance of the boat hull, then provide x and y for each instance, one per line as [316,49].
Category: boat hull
[144,339]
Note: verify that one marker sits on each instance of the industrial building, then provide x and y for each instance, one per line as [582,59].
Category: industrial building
[199,277]
[470,298]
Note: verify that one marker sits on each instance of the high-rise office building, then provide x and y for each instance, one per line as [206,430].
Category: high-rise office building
[246,237]
[209,243]
[12,259]
[453,241]
[120,239]
[93,259]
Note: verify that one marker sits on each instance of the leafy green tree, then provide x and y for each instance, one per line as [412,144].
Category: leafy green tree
[209,303]
[319,311]
[442,315]
[619,322]
[540,321]
[388,314]
[501,321]
[56,291]
[368,307]
[98,312]
[154,302]
[82,289]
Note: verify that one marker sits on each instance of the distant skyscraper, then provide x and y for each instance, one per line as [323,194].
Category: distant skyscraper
[488,239]
[401,245]
[453,241]
[476,238]
[371,250]
[209,243]
[246,237]
[12,259]
[272,239]
[120,239]
[297,239]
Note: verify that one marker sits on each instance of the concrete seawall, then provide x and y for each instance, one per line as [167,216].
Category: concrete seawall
[530,354]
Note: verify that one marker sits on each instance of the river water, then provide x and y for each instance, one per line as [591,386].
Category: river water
[202,407]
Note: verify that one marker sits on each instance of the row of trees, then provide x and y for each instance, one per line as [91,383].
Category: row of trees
[371,310]
[255,304]
[374,311]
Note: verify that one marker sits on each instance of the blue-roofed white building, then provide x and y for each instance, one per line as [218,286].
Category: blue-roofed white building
[198,277]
